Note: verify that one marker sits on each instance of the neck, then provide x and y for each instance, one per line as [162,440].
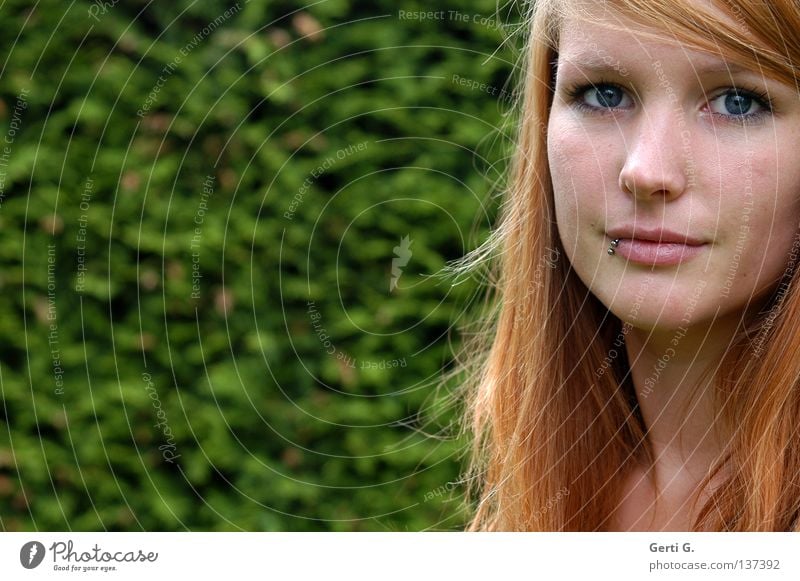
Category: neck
[673,373]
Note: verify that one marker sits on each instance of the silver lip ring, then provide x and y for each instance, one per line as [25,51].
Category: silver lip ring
[614,244]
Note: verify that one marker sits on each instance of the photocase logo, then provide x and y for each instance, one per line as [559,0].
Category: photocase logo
[31,554]
[403,255]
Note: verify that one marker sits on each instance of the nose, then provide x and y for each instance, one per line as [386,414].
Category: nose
[657,156]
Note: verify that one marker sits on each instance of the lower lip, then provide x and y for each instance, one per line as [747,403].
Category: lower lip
[656,253]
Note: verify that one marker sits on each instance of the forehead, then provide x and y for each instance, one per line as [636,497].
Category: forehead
[591,36]
[663,21]
[591,44]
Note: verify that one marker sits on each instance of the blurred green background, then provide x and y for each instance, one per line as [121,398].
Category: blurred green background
[221,227]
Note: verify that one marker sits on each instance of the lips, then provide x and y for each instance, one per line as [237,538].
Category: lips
[649,234]
[655,247]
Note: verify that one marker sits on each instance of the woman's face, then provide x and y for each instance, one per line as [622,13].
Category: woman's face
[651,139]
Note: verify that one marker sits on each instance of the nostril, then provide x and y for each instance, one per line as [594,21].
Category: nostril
[626,187]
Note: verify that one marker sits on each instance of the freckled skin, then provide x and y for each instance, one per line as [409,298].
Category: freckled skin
[674,135]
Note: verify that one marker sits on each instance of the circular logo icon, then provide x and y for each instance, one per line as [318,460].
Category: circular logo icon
[31,554]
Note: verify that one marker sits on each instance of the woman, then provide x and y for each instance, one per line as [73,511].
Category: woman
[643,366]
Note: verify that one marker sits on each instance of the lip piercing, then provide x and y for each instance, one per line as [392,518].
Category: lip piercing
[614,244]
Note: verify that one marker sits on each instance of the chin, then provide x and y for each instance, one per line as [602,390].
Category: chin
[648,310]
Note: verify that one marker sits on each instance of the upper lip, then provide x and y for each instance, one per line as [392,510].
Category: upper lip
[654,234]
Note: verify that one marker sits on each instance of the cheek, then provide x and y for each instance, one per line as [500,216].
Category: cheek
[577,178]
[565,203]
[771,240]
[761,226]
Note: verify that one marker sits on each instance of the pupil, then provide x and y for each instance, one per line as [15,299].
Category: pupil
[608,97]
[738,104]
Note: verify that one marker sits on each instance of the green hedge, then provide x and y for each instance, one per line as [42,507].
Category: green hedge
[200,209]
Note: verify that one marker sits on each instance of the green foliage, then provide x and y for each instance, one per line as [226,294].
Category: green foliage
[199,215]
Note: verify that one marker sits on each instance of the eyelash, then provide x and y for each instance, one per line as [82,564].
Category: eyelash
[577,91]
[761,97]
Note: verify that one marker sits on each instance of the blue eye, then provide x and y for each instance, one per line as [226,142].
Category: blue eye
[600,96]
[604,96]
[739,103]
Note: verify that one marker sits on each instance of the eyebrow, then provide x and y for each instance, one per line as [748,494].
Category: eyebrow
[593,63]
[724,67]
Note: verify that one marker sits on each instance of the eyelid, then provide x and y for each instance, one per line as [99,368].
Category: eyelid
[575,92]
[763,97]
[760,97]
